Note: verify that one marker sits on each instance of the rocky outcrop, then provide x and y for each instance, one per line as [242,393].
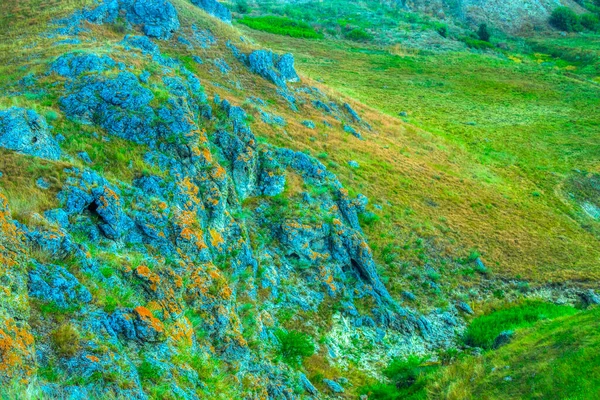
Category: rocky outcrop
[27,132]
[277,69]
[191,249]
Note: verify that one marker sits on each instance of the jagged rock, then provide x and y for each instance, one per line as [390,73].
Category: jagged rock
[54,284]
[590,297]
[465,307]
[353,114]
[502,339]
[138,324]
[408,295]
[120,105]
[352,131]
[88,191]
[333,386]
[26,132]
[307,385]
[42,183]
[84,157]
[309,124]
[277,69]
[71,65]
[214,8]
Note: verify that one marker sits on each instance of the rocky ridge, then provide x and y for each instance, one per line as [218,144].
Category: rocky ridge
[199,257]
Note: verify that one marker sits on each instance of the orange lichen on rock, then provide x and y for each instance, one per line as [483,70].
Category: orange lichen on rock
[216,239]
[151,278]
[182,331]
[146,315]
[16,350]
[92,358]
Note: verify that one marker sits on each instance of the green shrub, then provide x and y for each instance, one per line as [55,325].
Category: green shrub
[483,330]
[149,372]
[242,7]
[442,30]
[589,21]
[565,19]
[408,377]
[483,33]
[294,346]
[359,35]
[281,26]
[477,44]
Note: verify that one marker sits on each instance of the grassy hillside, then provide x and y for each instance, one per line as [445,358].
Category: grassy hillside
[515,127]
[554,360]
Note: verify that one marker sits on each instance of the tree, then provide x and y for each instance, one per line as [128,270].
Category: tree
[483,33]
[242,7]
[565,19]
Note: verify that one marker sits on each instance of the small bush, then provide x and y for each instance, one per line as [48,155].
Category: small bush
[483,33]
[295,346]
[65,340]
[408,377]
[565,19]
[589,21]
[477,44]
[359,35]
[442,30]
[149,372]
[483,330]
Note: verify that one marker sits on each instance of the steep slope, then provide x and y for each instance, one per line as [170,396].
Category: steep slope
[157,246]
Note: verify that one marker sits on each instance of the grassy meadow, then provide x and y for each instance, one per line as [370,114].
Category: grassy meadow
[500,134]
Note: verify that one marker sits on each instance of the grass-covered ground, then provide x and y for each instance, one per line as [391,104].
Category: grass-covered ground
[555,359]
[551,355]
[281,26]
[505,132]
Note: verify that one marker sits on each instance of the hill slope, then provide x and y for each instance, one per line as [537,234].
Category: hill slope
[185,215]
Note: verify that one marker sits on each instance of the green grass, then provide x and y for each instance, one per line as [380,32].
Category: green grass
[556,359]
[281,26]
[484,329]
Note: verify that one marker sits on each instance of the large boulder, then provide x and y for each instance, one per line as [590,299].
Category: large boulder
[275,68]
[54,284]
[157,17]
[27,132]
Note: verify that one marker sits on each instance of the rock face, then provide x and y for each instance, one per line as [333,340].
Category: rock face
[184,251]
[213,7]
[28,133]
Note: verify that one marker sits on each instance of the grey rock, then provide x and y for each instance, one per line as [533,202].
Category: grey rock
[502,339]
[26,132]
[333,386]
[463,306]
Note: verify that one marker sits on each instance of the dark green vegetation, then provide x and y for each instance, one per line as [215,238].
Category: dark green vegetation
[295,346]
[281,26]
[565,19]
